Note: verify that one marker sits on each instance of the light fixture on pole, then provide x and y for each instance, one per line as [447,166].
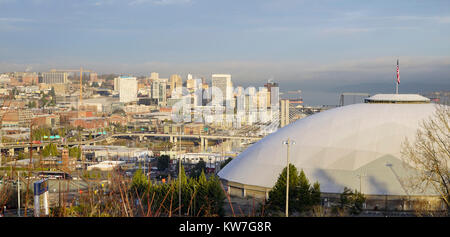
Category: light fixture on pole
[288,143]
[179,177]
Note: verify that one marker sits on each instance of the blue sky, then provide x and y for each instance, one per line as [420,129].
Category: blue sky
[323,46]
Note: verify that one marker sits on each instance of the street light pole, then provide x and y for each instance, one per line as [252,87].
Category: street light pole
[287,180]
[288,142]
[179,177]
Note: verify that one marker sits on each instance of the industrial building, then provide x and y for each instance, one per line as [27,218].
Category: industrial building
[54,77]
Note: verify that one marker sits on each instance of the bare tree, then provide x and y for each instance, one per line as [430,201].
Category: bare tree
[429,154]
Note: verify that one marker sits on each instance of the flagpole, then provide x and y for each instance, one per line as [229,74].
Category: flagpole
[396,88]
[398,78]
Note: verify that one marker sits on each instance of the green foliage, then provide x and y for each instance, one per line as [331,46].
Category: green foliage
[163,162]
[277,196]
[43,101]
[32,104]
[199,197]
[75,152]
[21,156]
[352,201]
[39,133]
[52,94]
[302,196]
[198,169]
[50,150]
[139,182]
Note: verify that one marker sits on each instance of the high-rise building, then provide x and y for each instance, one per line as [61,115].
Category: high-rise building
[225,86]
[198,93]
[159,90]
[54,77]
[191,84]
[269,85]
[262,95]
[154,76]
[127,89]
[176,84]
[284,113]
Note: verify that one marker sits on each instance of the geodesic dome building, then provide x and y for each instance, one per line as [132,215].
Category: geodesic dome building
[356,146]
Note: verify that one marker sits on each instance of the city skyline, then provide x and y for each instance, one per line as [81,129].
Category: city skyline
[324,47]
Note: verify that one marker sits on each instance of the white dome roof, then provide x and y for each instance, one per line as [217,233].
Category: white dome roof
[335,147]
[397,98]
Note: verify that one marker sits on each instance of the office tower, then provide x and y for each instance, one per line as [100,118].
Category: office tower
[284,113]
[154,75]
[223,83]
[159,90]
[176,85]
[262,98]
[191,84]
[128,89]
[54,77]
[198,92]
[269,85]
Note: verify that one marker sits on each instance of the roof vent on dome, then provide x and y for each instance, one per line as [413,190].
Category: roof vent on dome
[397,98]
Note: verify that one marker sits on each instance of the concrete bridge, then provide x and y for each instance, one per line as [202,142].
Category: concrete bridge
[204,139]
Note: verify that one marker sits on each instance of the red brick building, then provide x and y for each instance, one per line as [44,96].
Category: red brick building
[89,123]
[117,119]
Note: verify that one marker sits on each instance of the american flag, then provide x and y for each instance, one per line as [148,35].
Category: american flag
[398,74]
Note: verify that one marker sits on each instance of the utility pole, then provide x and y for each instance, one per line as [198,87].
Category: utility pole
[31,144]
[222,158]
[18,193]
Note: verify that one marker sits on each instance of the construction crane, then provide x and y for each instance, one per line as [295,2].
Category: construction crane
[81,78]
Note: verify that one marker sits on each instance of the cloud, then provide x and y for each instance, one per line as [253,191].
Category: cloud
[160,2]
[6,1]
[442,19]
[10,23]
[12,19]
[343,30]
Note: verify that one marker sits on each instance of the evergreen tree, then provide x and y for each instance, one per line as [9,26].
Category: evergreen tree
[277,196]
[302,196]
[139,183]
[353,201]
[216,196]
[163,162]
[303,193]
[198,169]
[50,150]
